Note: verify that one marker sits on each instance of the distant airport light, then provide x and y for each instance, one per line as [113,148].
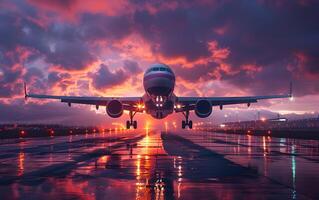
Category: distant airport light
[51,132]
[178,106]
[263,119]
[22,133]
[222,125]
[174,124]
[269,132]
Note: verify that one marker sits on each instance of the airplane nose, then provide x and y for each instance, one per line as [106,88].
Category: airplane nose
[159,85]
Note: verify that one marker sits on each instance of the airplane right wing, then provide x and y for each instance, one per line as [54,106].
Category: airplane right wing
[188,103]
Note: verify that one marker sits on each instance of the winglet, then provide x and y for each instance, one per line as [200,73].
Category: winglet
[290,89]
[25,91]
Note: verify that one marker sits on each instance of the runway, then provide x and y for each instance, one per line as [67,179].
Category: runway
[159,165]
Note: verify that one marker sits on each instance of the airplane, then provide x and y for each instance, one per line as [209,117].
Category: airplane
[159,99]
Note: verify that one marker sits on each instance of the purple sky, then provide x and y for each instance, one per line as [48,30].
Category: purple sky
[101,48]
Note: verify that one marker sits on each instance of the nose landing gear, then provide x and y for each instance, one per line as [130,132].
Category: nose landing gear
[187,122]
[130,122]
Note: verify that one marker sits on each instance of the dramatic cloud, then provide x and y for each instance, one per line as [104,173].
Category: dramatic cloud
[220,48]
[104,78]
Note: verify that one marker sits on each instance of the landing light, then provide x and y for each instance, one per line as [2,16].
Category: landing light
[139,106]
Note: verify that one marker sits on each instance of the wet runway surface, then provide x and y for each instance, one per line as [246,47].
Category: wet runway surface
[159,165]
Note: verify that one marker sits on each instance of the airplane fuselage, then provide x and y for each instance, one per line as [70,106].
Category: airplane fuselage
[159,98]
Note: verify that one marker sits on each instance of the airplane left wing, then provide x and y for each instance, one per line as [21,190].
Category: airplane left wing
[129,103]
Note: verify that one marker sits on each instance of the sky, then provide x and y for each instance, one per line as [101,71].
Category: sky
[102,48]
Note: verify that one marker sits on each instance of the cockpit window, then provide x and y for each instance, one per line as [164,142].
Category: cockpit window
[153,69]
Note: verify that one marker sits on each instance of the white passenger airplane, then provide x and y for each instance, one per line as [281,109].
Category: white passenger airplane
[159,99]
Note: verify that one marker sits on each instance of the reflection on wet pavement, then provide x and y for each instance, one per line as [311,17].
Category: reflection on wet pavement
[154,165]
[292,163]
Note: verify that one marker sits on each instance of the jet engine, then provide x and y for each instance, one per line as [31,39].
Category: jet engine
[203,108]
[114,108]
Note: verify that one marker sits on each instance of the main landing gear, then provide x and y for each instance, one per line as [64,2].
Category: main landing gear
[187,122]
[130,122]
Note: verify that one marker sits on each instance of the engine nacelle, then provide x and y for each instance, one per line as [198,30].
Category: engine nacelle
[114,108]
[203,108]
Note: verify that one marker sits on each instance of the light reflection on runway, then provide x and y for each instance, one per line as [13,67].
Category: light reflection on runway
[279,159]
[153,165]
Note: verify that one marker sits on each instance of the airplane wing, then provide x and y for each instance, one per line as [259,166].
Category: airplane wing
[129,103]
[188,103]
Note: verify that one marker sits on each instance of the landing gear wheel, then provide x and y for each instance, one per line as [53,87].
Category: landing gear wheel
[135,124]
[190,124]
[128,124]
[187,122]
[183,124]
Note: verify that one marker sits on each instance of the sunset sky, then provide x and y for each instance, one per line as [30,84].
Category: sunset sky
[101,48]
